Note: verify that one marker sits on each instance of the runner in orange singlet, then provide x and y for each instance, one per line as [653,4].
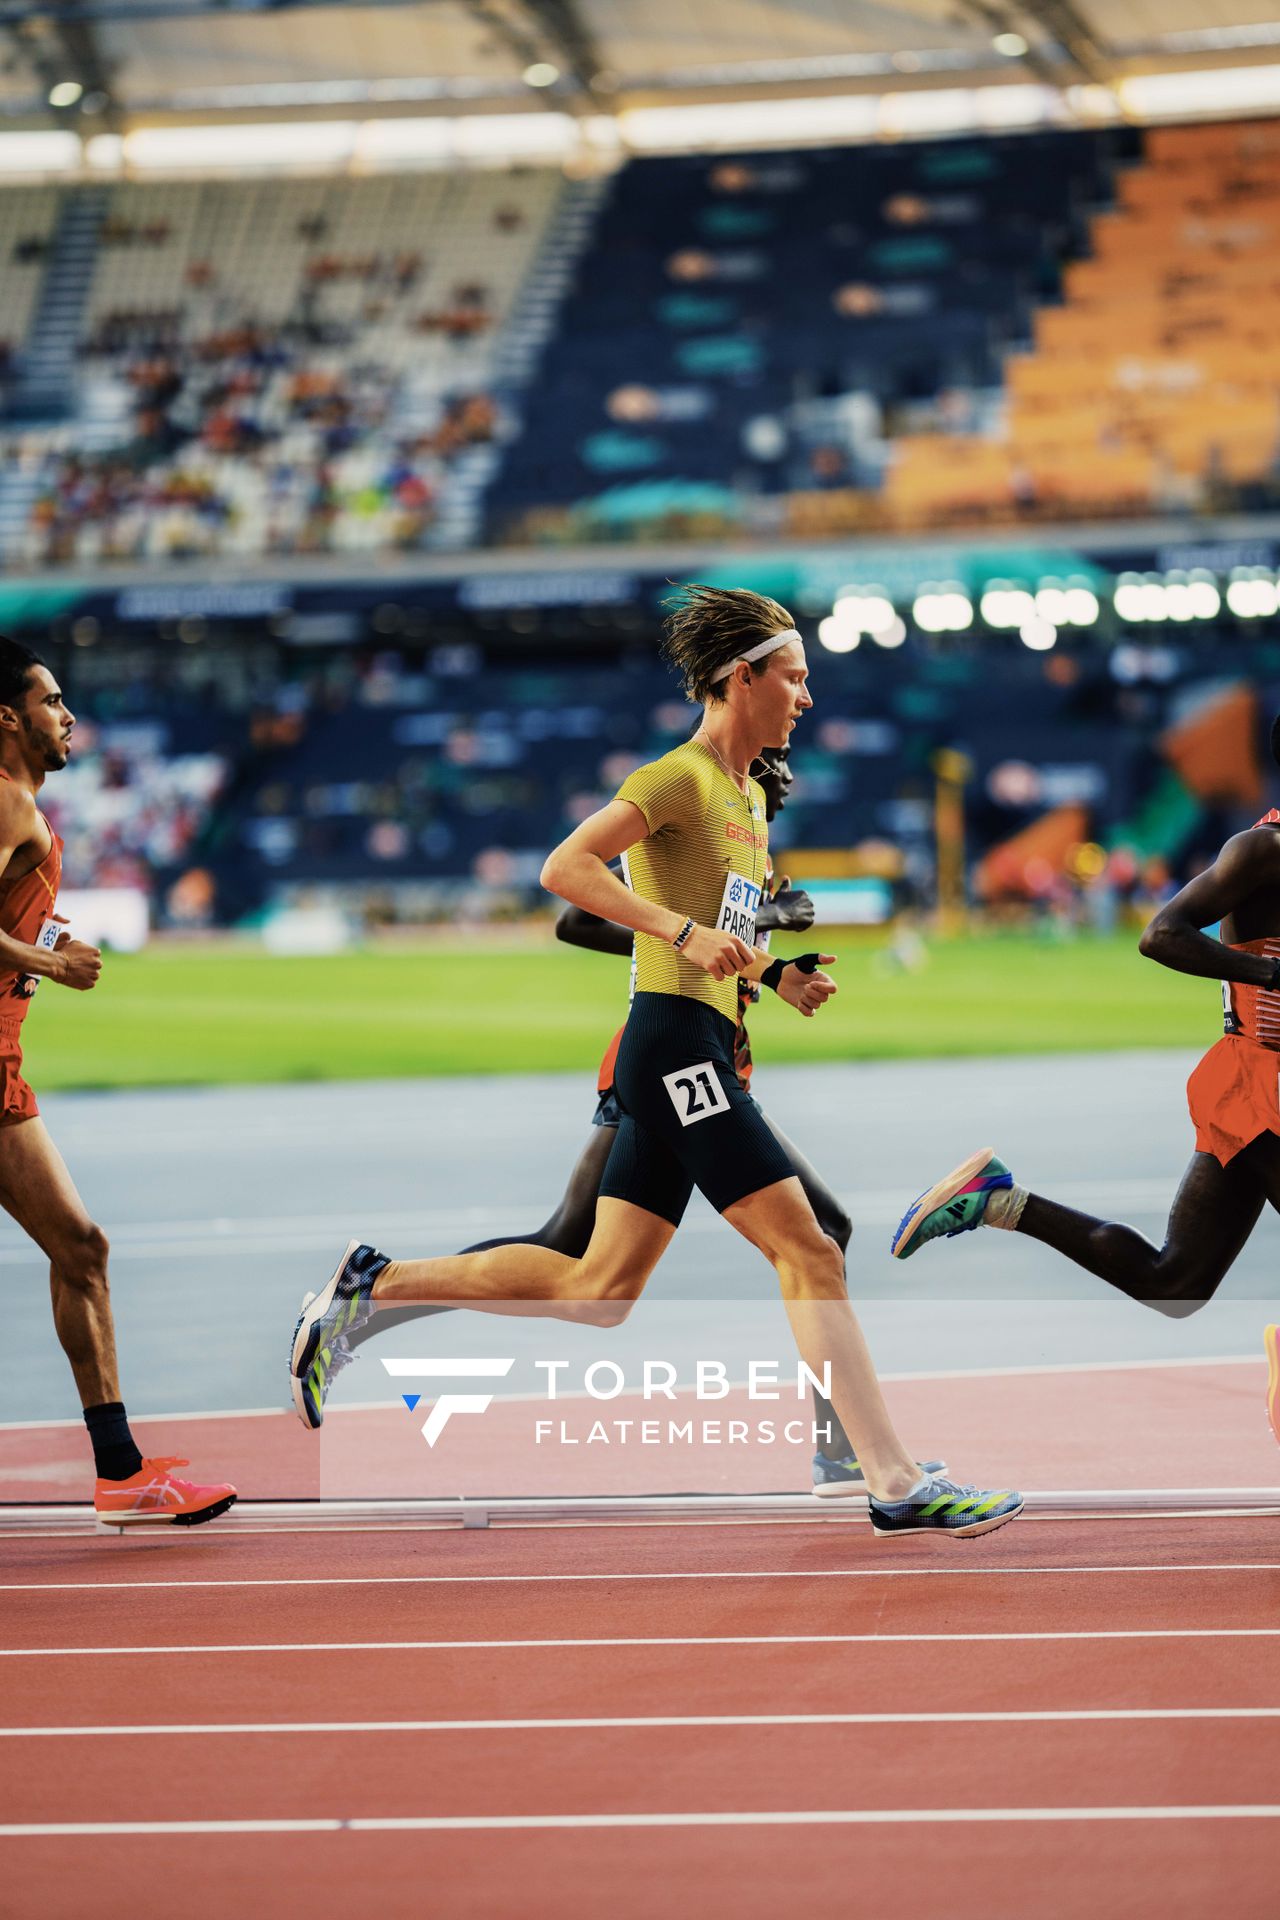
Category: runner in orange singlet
[35,1188]
[1233,1096]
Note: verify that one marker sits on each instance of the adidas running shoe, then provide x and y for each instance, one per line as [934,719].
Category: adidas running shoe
[832,1479]
[320,1349]
[1271,1342]
[944,1506]
[954,1205]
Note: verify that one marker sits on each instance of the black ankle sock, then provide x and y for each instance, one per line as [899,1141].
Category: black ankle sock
[115,1452]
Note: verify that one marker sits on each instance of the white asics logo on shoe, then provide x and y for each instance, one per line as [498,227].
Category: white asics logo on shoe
[447,1404]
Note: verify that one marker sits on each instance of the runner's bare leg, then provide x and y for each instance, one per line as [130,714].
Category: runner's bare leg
[810,1269]
[597,1290]
[832,1439]
[38,1192]
[1214,1211]
[568,1231]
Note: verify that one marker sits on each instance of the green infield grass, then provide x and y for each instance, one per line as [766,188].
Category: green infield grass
[219,1015]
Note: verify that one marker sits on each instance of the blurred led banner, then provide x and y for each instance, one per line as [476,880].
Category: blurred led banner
[863,902]
[879,579]
[115,917]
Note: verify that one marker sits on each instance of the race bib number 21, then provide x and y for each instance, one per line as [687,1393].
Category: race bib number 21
[696,1093]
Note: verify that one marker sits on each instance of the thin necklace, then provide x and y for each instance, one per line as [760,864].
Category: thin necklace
[737,778]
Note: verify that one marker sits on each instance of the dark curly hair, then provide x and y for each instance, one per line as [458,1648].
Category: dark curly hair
[16,663]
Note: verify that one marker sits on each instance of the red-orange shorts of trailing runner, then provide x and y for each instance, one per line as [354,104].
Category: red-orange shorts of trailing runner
[1234,1096]
[17,1101]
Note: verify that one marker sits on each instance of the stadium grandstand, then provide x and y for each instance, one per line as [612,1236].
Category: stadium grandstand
[372,375]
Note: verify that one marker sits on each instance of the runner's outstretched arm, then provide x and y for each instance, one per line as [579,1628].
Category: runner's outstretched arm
[1248,864]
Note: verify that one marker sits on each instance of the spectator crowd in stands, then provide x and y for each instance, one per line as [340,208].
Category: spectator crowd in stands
[304,396]
[285,443]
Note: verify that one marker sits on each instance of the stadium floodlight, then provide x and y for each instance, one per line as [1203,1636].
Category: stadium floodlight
[1038,633]
[893,635]
[48,151]
[1206,601]
[863,610]
[1004,605]
[1191,596]
[1252,593]
[837,635]
[261,143]
[1142,596]
[1065,604]
[1051,603]
[1081,606]
[942,607]
[1179,604]
[1011,45]
[877,613]
[65,93]
[540,74]
[1155,600]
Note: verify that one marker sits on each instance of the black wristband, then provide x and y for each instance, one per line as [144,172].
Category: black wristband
[807,963]
[1273,984]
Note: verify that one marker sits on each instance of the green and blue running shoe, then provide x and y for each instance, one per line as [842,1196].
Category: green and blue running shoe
[943,1506]
[833,1479]
[320,1349]
[951,1206]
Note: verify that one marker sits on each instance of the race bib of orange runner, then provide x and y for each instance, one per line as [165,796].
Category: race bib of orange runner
[48,939]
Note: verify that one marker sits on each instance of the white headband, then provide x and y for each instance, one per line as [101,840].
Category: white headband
[770,645]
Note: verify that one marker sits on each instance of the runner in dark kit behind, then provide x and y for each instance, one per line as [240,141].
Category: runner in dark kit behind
[35,1188]
[1232,1095]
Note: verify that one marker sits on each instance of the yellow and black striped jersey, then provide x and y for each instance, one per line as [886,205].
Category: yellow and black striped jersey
[706,854]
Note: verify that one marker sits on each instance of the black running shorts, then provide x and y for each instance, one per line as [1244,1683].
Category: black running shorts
[686,1121]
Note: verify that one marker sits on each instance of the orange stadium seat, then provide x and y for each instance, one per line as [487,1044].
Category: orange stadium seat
[1164,355]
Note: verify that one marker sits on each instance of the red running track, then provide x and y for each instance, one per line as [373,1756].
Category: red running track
[806,1701]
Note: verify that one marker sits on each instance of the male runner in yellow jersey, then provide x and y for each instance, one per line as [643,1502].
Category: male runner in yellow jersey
[690,829]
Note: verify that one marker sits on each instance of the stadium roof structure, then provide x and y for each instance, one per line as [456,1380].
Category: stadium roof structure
[94,66]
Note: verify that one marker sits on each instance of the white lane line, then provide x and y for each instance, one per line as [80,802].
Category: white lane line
[652,1640]
[212,1237]
[627,1722]
[566,1579]
[476,1823]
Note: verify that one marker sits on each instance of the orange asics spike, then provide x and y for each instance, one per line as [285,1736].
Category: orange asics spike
[154,1496]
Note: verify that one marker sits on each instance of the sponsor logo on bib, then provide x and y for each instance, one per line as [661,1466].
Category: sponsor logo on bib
[26,983]
[738,908]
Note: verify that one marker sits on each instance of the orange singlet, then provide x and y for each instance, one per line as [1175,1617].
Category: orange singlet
[27,907]
[1234,1093]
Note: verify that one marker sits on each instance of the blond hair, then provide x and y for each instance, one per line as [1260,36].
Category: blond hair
[709,626]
